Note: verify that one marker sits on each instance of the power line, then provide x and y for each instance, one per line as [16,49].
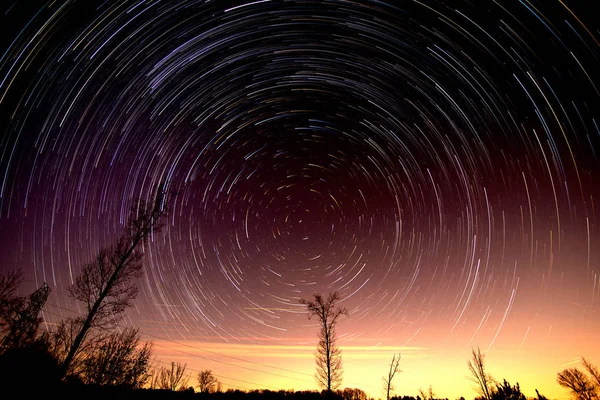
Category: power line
[209,351]
[223,362]
[221,376]
[192,369]
[222,355]
[212,352]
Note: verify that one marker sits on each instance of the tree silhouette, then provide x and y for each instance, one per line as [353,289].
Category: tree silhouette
[106,286]
[117,360]
[353,394]
[327,356]
[539,396]
[483,381]
[580,385]
[173,378]
[206,381]
[23,354]
[9,283]
[504,391]
[429,395]
[387,380]
[60,339]
[19,316]
[593,371]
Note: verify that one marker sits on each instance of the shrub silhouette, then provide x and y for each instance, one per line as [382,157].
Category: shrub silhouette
[504,391]
[19,365]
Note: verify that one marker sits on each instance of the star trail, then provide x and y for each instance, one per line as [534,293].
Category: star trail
[436,162]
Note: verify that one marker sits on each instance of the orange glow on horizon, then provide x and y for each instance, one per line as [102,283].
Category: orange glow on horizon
[245,367]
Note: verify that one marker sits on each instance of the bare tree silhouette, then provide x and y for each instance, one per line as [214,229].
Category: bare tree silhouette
[9,283]
[593,371]
[60,339]
[23,352]
[353,394]
[580,385]
[106,286]
[387,380]
[429,395]
[483,381]
[173,378]
[118,359]
[206,381]
[328,356]
[19,315]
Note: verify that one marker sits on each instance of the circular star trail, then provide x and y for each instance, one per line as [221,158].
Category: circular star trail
[434,162]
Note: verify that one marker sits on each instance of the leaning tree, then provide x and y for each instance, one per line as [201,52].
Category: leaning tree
[484,383]
[107,285]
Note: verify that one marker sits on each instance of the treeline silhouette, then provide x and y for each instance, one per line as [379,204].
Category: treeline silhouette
[87,357]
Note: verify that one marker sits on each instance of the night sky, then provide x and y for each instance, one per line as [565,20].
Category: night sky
[436,162]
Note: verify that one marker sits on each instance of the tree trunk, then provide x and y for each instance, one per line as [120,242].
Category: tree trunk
[79,338]
[92,313]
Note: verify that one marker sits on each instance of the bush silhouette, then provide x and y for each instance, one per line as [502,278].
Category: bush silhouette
[18,366]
